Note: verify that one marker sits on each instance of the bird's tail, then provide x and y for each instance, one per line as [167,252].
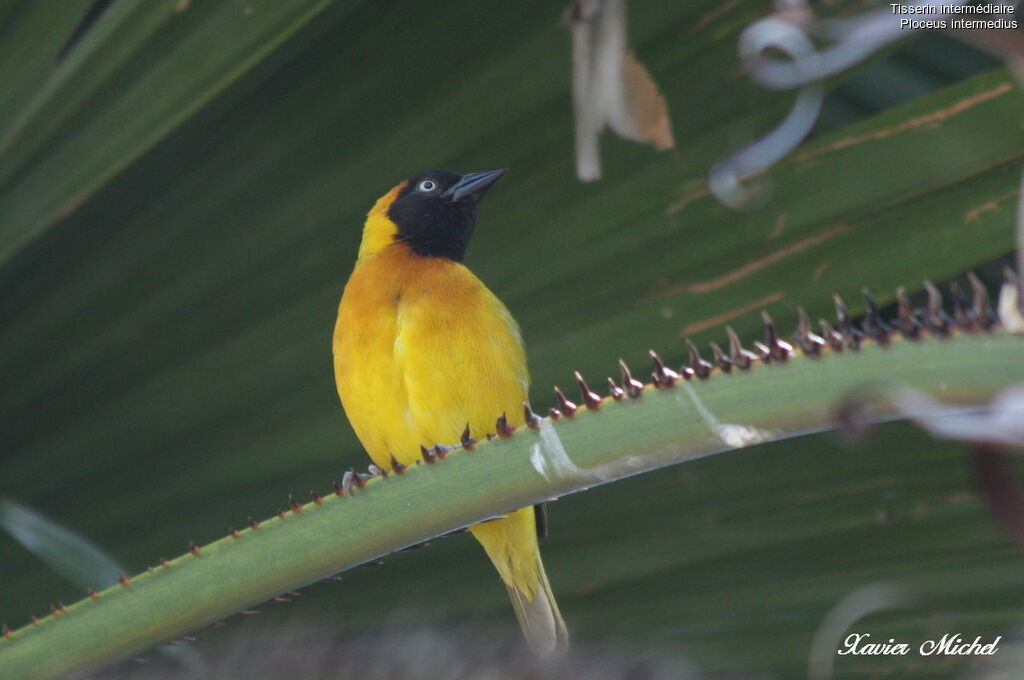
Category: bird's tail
[511,544]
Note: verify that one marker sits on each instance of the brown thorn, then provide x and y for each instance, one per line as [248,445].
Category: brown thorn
[281,599]
[721,360]
[315,497]
[633,387]
[936,318]
[5,631]
[371,563]
[415,546]
[397,467]
[194,549]
[765,349]
[466,439]
[980,303]
[249,612]
[565,407]
[763,352]
[280,514]
[615,391]
[554,413]
[907,321]
[532,419]
[502,428]
[336,485]
[35,620]
[591,399]
[962,312]
[805,337]
[253,524]
[778,349]
[700,367]
[233,532]
[833,337]
[851,336]
[164,562]
[741,357]
[440,450]
[122,579]
[426,454]
[872,325]
[294,505]
[663,376]
[357,478]
[93,595]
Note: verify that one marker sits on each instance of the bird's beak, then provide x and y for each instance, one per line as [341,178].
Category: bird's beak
[474,185]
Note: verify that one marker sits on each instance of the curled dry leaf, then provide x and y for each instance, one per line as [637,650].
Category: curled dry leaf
[610,86]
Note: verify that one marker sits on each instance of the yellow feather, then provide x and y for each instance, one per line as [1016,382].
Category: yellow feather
[421,349]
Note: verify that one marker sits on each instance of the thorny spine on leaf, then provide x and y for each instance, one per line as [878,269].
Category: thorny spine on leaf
[937,319]
[701,368]
[591,399]
[721,360]
[872,324]
[908,322]
[806,339]
[466,440]
[982,306]
[633,387]
[615,391]
[565,407]
[532,419]
[502,427]
[662,376]
[851,336]
[741,358]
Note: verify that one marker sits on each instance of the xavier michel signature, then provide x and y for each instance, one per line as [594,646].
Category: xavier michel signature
[860,644]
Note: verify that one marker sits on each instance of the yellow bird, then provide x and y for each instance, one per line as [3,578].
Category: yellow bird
[422,349]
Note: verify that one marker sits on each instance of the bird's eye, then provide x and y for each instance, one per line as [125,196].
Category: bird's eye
[426,186]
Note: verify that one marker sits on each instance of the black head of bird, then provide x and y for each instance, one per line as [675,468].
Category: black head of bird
[435,211]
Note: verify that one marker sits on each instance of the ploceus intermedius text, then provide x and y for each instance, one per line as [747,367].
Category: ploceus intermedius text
[422,349]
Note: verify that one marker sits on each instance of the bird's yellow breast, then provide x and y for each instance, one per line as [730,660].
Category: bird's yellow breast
[421,348]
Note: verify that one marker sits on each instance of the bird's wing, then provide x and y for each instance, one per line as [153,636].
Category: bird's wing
[462,360]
